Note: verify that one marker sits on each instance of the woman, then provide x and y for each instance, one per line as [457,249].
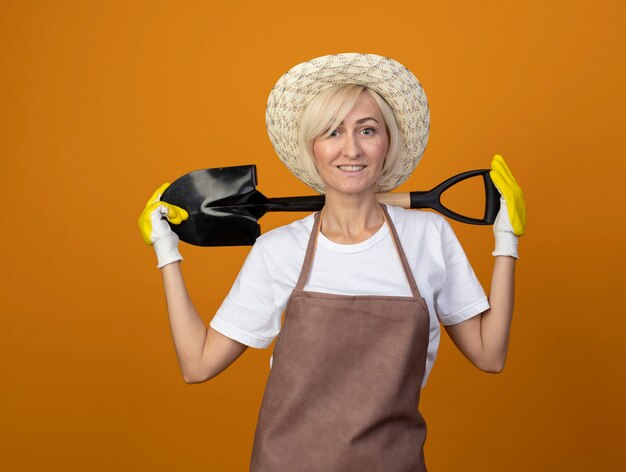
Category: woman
[364,285]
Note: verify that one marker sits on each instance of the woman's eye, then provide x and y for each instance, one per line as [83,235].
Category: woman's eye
[368,131]
[334,132]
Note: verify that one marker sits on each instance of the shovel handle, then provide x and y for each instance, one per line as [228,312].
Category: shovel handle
[418,199]
[432,198]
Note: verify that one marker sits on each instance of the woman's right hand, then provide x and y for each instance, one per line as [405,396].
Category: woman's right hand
[155,230]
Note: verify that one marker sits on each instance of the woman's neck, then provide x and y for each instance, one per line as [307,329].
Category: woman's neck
[351,218]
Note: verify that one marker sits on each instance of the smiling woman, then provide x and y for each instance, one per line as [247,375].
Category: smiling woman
[364,286]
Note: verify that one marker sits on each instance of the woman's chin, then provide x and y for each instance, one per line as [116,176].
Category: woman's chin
[350,189]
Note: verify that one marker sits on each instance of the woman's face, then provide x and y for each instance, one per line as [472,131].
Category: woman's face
[351,159]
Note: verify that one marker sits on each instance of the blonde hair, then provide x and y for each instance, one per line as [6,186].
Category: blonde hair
[327,110]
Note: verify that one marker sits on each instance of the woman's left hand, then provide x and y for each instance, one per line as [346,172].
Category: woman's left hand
[511,219]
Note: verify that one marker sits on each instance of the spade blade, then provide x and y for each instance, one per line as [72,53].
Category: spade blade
[197,191]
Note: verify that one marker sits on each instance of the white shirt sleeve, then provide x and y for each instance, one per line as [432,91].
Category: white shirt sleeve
[249,313]
[461,296]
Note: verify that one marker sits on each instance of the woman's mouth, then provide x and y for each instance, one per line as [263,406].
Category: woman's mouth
[351,168]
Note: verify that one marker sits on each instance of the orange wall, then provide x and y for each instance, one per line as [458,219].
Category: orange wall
[103,101]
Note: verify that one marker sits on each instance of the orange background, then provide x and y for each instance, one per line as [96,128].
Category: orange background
[103,101]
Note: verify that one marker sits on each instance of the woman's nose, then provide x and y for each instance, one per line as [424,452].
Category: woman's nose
[352,147]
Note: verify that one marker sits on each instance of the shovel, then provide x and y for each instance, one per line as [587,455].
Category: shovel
[224,205]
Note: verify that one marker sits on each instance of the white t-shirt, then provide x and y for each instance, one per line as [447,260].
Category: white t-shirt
[252,311]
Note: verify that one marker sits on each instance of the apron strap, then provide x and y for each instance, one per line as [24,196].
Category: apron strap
[405,264]
[310,252]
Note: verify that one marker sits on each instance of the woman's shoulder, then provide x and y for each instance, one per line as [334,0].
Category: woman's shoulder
[416,219]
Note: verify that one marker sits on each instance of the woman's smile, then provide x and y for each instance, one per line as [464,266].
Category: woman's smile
[351,169]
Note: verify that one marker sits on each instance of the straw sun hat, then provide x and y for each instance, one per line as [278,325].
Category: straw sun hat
[394,82]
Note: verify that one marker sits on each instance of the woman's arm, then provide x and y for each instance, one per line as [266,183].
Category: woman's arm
[484,339]
[202,353]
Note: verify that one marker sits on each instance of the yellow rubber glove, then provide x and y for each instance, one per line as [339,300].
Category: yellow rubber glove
[511,219]
[510,190]
[156,231]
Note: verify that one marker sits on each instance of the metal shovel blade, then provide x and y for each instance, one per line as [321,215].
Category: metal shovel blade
[198,191]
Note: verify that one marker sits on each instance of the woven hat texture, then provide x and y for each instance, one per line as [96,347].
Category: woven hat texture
[394,82]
